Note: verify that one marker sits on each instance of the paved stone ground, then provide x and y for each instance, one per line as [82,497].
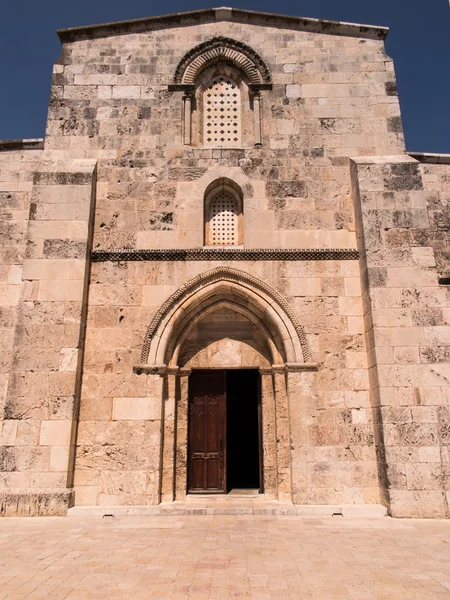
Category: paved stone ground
[216,557]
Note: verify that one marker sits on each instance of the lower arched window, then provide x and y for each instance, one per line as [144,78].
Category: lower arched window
[223,215]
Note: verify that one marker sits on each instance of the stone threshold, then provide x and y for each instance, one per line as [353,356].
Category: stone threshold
[233,496]
[181,508]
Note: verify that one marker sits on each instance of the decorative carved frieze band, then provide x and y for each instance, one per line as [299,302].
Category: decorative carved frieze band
[199,254]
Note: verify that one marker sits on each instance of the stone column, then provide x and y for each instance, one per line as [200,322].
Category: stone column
[257,118]
[181,457]
[283,436]
[41,407]
[301,386]
[168,436]
[269,435]
[187,118]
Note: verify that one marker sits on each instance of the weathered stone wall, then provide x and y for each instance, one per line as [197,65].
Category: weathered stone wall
[333,97]
[17,167]
[119,430]
[407,331]
[436,182]
[41,405]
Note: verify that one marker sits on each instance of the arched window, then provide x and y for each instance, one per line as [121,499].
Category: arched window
[223,220]
[222,113]
[223,214]
[222,80]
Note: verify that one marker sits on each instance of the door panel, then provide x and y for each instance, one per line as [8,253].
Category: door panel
[207,431]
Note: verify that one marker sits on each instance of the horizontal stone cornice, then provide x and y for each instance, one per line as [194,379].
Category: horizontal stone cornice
[431,158]
[22,144]
[146,369]
[211,15]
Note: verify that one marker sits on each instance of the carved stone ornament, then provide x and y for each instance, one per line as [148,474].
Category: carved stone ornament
[200,254]
[222,49]
[217,275]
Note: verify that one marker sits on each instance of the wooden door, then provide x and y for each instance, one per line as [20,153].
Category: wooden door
[207,432]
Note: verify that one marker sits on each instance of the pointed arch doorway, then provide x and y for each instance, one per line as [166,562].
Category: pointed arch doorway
[225,321]
[224,349]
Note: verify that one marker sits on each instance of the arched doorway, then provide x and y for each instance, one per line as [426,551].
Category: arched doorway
[225,350]
[232,329]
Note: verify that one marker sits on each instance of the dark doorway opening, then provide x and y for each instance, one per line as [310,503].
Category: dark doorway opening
[243,430]
[224,431]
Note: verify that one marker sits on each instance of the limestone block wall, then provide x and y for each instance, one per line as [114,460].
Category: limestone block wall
[436,182]
[119,435]
[111,91]
[407,325]
[333,96]
[41,405]
[17,164]
[371,423]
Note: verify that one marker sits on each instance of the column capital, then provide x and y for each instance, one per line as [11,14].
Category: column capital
[145,369]
[296,367]
[187,88]
[184,371]
[265,370]
[171,371]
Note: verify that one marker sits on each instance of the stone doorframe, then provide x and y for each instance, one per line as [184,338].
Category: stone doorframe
[290,354]
[277,477]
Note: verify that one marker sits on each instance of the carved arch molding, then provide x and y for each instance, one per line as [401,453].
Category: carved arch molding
[218,49]
[270,302]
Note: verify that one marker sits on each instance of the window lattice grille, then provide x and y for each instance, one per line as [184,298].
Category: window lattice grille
[223,223]
[222,100]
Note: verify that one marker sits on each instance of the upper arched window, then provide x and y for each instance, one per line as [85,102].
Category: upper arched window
[222,80]
[222,113]
[223,214]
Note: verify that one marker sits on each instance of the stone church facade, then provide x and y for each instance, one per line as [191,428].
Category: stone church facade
[223,216]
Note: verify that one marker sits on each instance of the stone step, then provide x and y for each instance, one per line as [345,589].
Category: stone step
[263,508]
[232,497]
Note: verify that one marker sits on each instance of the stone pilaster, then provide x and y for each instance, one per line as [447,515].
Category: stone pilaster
[169,436]
[181,457]
[283,438]
[302,403]
[41,407]
[407,335]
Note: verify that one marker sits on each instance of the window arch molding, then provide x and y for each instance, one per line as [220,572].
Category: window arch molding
[223,214]
[222,49]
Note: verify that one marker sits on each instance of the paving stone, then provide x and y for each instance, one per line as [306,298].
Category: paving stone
[216,557]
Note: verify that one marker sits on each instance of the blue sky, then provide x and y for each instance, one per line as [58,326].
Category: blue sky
[419,42]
